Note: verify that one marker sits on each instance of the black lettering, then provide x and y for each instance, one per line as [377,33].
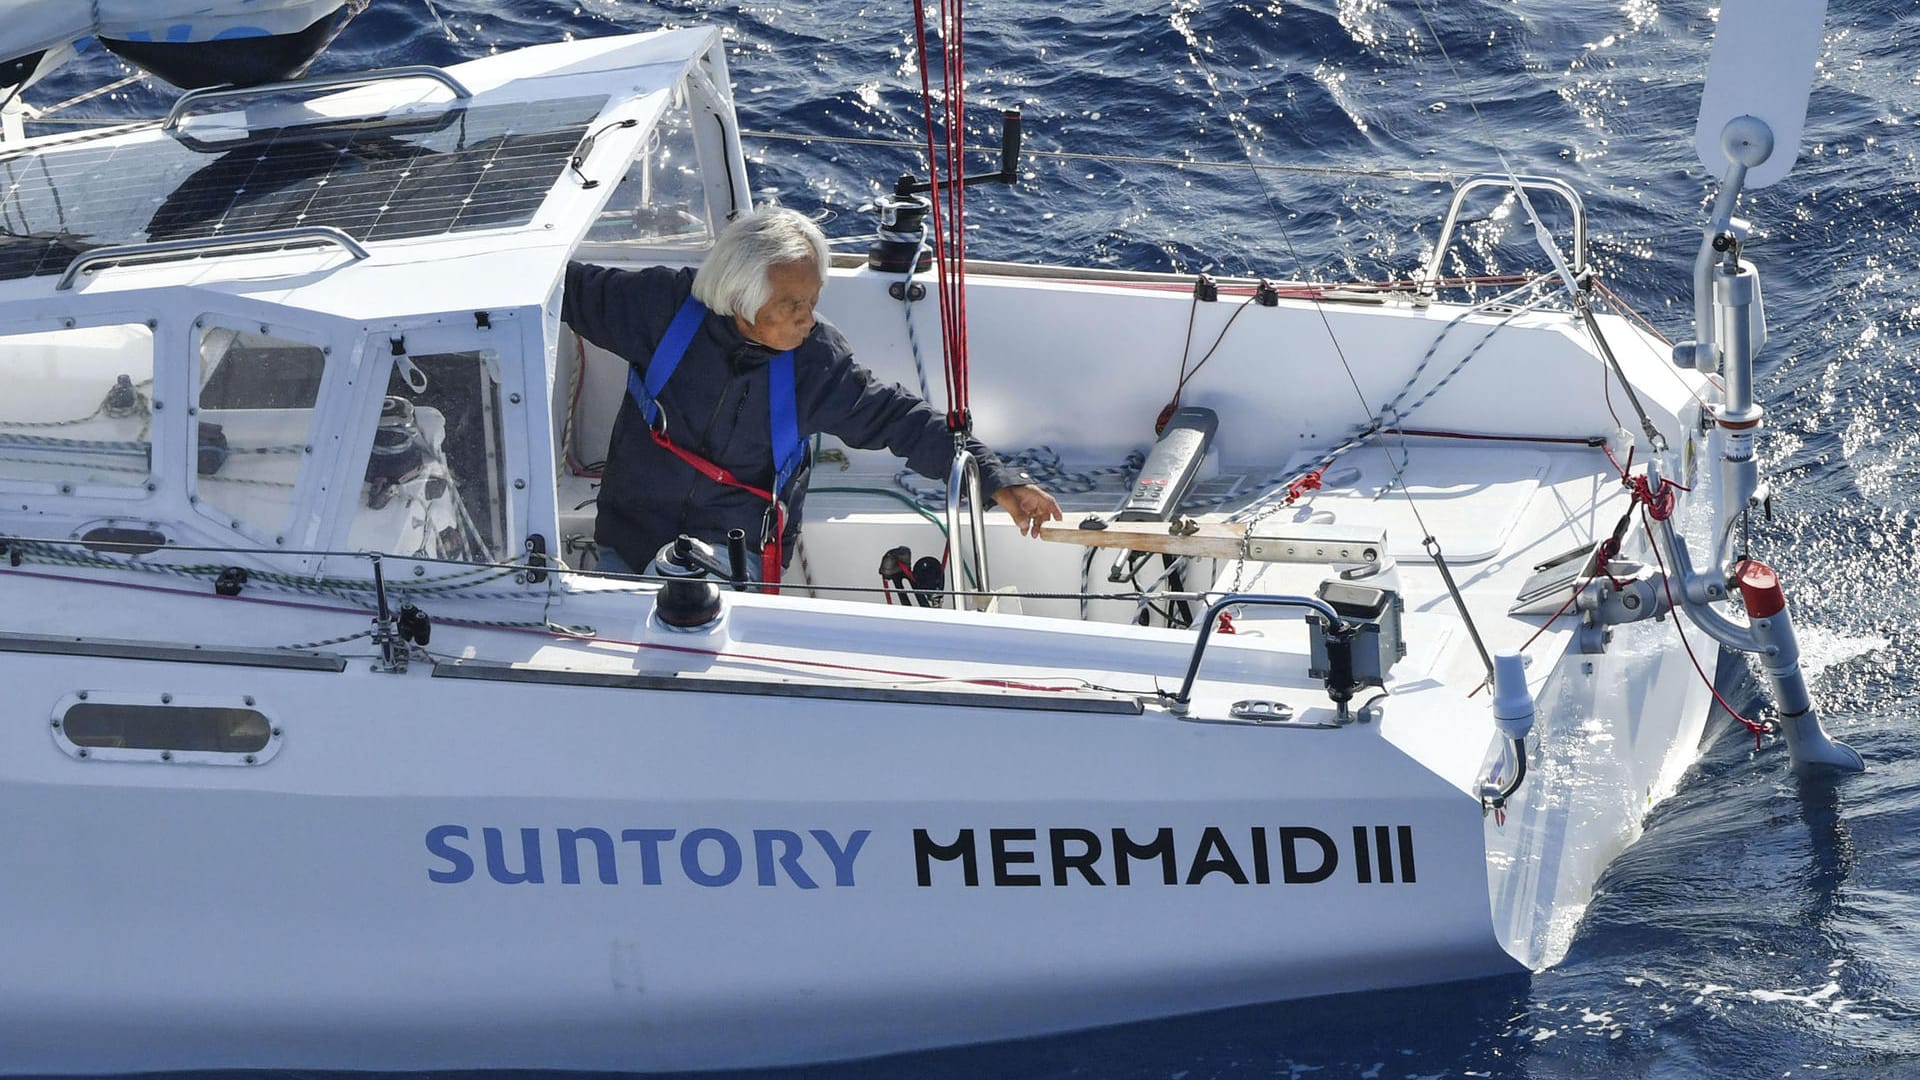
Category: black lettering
[1362,858]
[1290,871]
[1002,858]
[1382,837]
[1124,849]
[1222,863]
[1260,873]
[1406,853]
[924,850]
[1085,860]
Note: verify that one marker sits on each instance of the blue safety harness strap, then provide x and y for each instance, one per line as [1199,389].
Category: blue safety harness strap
[666,357]
[783,418]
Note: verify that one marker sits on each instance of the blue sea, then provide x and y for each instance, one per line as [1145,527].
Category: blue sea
[1761,927]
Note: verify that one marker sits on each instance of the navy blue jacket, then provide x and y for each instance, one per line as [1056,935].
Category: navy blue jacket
[716,406]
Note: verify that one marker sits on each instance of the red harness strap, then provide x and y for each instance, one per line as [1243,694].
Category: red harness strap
[769,553]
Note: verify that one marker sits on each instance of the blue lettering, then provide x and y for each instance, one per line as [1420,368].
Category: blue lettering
[529,854]
[183,34]
[729,857]
[589,853]
[790,847]
[649,841]
[459,863]
[842,858]
[570,855]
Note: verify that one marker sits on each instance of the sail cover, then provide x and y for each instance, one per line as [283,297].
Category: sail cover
[29,27]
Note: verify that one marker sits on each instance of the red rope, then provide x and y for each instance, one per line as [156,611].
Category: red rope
[574,464]
[1658,506]
[946,174]
[1754,727]
[1659,503]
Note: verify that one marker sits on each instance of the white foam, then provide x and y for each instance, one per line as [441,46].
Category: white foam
[1821,648]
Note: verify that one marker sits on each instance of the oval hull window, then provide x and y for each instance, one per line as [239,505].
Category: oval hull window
[104,726]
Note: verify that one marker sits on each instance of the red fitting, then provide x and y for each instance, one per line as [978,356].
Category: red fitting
[1307,482]
[1760,588]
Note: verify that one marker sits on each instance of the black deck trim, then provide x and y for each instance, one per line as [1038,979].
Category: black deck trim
[117,649]
[1066,701]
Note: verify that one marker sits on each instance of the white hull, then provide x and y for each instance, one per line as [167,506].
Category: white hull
[232,918]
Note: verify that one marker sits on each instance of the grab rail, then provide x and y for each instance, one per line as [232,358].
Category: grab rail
[966,472]
[1178,703]
[163,250]
[1548,184]
[192,98]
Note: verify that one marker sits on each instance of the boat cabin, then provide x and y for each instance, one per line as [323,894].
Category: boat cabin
[325,319]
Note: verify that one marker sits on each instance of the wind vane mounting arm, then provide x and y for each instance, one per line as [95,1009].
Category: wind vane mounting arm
[1750,120]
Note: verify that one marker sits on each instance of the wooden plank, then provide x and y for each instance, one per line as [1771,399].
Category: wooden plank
[1212,540]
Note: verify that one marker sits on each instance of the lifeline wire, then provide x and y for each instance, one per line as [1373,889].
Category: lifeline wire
[1444,176]
[451,586]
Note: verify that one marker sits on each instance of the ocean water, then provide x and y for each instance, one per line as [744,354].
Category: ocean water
[1761,926]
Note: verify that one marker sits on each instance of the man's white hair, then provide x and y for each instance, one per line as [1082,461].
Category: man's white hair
[733,280]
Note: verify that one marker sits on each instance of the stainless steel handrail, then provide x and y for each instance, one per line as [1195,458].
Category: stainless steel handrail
[1178,703]
[161,251]
[1548,184]
[193,98]
[966,472]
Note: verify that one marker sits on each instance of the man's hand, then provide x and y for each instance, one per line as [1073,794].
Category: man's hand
[1029,506]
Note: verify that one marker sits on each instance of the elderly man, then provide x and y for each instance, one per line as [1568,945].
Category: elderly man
[731,374]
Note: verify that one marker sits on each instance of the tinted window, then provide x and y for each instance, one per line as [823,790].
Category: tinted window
[166,727]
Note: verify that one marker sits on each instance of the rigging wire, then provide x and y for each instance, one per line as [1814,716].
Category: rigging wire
[81,99]
[444,28]
[1442,176]
[1333,338]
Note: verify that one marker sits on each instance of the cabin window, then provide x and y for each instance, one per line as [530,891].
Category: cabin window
[79,408]
[661,202]
[256,405]
[435,479]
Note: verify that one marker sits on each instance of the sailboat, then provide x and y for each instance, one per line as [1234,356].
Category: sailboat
[330,748]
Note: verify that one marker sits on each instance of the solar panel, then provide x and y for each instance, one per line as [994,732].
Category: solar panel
[481,167]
